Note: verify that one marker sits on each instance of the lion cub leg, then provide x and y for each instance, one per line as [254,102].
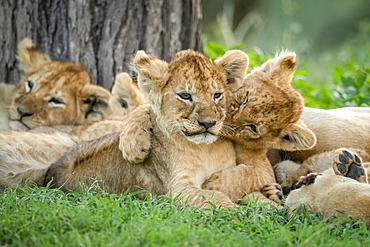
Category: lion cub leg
[316,163]
[243,179]
[348,164]
[135,138]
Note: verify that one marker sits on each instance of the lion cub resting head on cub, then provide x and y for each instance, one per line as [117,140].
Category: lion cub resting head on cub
[188,105]
[263,112]
[59,93]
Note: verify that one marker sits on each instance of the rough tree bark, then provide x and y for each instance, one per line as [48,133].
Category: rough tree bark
[103,35]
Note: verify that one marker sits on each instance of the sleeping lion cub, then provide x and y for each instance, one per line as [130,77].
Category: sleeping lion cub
[52,93]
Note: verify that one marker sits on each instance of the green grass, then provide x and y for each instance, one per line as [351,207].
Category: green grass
[43,217]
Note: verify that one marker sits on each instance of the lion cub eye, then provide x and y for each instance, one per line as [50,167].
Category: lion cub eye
[253,128]
[217,96]
[185,96]
[29,86]
[123,103]
[246,100]
[55,101]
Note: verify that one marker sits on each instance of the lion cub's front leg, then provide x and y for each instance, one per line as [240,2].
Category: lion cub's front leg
[135,138]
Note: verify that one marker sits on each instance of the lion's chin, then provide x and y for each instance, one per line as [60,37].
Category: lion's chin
[18,126]
[204,138]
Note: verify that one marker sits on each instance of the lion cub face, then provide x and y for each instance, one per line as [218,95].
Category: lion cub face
[187,94]
[264,111]
[54,93]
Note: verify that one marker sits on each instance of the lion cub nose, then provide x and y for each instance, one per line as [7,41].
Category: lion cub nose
[23,112]
[206,124]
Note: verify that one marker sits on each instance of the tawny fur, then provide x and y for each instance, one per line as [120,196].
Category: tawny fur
[7,92]
[201,154]
[264,99]
[15,165]
[28,156]
[341,190]
[184,152]
[126,96]
[22,153]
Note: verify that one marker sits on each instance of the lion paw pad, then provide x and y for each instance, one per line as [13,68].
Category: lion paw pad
[348,164]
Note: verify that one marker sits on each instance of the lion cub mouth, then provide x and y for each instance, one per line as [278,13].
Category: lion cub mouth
[197,133]
[201,137]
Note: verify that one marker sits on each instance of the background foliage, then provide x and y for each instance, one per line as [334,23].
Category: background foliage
[330,39]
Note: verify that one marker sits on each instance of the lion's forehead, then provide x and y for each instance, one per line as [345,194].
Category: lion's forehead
[271,107]
[198,79]
[57,73]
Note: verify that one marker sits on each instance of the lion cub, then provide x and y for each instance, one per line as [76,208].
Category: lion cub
[263,112]
[188,106]
[54,93]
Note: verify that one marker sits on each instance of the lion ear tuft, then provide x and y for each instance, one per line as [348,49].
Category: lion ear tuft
[125,90]
[151,71]
[281,68]
[30,57]
[235,64]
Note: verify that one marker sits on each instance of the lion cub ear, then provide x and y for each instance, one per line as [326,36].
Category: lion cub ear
[95,102]
[126,92]
[151,72]
[281,68]
[30,57]
[297,137]
[235,64]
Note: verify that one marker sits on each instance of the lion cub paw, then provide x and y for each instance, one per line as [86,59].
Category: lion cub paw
[137,149]
[306,180]
[348,164]
[273,192]
[135,140]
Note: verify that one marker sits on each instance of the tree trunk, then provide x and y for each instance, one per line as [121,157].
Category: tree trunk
[102,35]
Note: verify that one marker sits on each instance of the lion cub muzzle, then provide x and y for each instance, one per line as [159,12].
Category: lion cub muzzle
[205,131]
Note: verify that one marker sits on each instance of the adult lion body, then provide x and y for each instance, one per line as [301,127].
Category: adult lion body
[335,128]
[342,190]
